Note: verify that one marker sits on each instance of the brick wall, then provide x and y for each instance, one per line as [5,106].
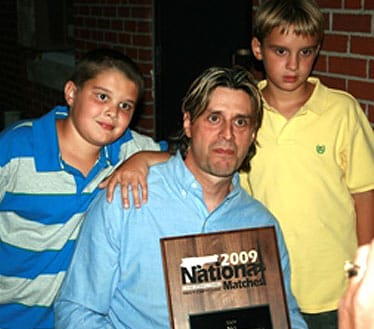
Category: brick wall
[346,60]
[347,57]
[126,26]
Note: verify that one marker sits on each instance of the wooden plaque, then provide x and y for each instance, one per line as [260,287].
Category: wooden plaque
[225,280]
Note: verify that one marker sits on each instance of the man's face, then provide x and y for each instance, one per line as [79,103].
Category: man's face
[221,136]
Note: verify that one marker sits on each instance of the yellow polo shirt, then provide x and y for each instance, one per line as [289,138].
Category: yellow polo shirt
[305,170]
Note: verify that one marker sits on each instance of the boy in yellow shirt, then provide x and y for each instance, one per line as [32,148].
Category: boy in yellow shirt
[314,167]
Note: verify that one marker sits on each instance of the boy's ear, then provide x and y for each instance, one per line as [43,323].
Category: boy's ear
[187,124]
[69,92]
[256,48]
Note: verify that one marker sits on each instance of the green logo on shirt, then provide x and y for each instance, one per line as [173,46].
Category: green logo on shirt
[321,149]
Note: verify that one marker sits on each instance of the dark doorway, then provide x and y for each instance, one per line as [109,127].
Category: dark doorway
[191,35]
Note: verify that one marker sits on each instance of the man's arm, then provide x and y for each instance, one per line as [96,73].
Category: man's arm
[364,205]
[85,296]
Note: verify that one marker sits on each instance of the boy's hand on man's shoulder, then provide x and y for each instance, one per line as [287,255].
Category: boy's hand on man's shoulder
[132,176]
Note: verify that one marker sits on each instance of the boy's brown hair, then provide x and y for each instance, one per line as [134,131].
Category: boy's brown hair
[98,60]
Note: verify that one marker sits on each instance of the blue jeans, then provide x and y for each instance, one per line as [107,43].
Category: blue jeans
[325,320]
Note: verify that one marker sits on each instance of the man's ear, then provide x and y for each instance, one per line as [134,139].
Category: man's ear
[253,137]
[69,92]
[256,48]
[187,124]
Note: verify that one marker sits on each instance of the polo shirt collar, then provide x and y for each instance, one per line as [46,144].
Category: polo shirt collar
[46,149]
[316,103]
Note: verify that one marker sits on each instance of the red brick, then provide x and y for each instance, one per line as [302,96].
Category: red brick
[147,68]
[89,23]
[82,33]
[146,123]
[361,89]
[81,10]
[142,12]
[362,45]
[326,18]
[371,69]
[142,40]
[111,37]
[103,23]
[109,11]
[336,83]
[117,24]
[353,4]
[321,64]
[335,42]
[144,27]
[130,26]
[147,110]
[141,2]
[145,54]
[124,38]
[347,66]
[96,11]
[133,53]
[368,4]
[123,12]
[371,114]
[329,3]
[97,35]
[352,23]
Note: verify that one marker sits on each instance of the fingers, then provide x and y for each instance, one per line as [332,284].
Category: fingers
[356,306]
[125,195]
[144,189]
[365,259]
[363,298]
[134,189]
[139,193]
[368,255]
[133,186]
[110,185]
[361,262]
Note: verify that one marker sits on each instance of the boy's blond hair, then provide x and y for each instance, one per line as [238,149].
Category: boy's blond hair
[303,16]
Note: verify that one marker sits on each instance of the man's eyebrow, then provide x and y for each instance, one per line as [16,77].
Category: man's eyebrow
[237,115]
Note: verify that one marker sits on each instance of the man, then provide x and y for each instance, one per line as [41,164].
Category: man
[116,278]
